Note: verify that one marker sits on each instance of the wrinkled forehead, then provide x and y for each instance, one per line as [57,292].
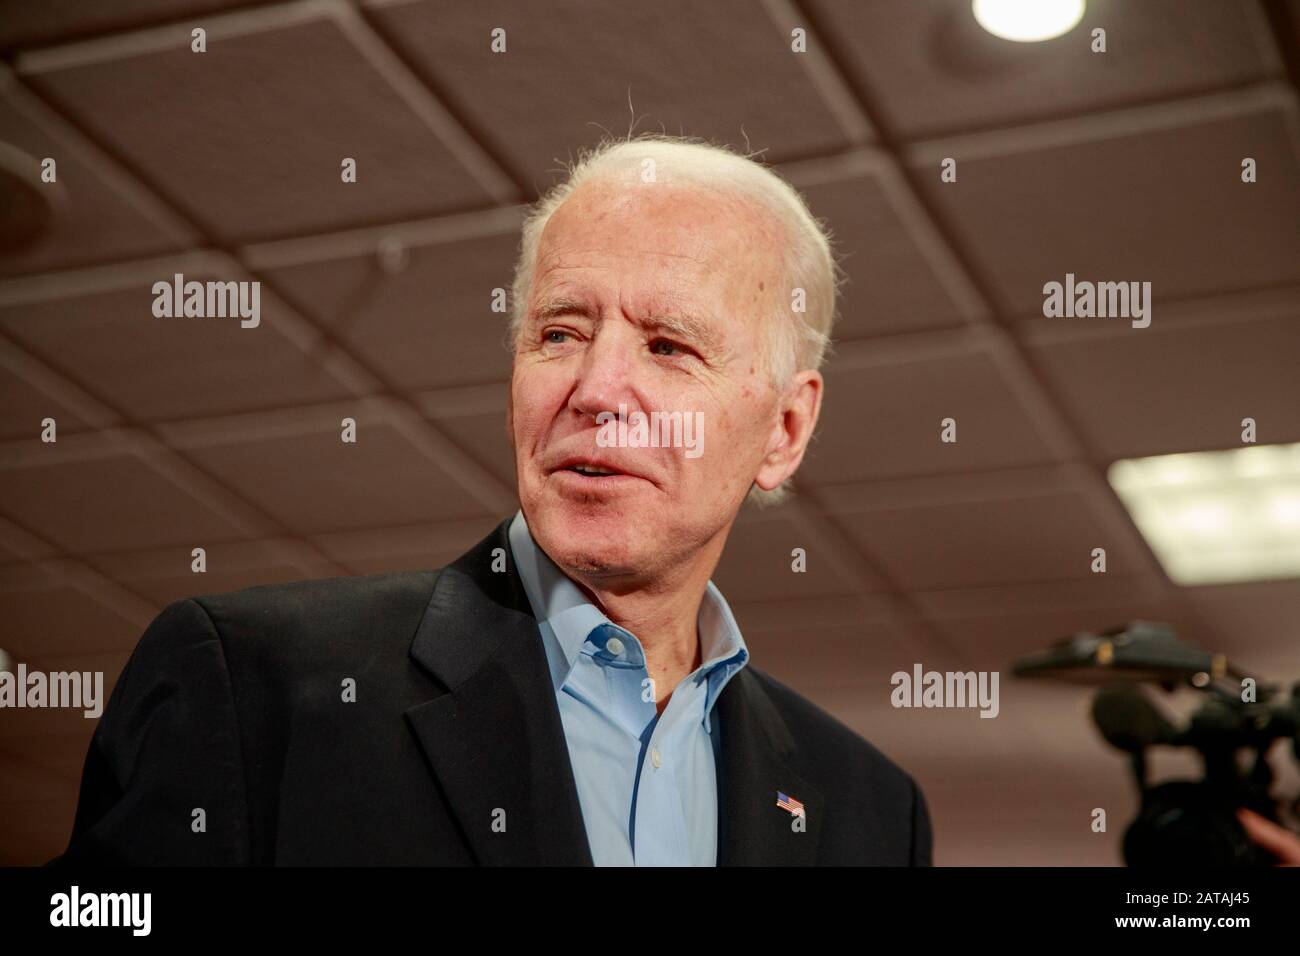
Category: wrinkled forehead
[663,241]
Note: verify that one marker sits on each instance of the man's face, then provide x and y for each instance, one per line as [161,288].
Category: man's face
[652,298]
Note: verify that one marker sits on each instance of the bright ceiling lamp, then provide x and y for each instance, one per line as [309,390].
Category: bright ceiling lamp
[1027,21]
[1217,517]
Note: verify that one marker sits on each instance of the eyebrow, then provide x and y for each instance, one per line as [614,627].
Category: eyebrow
[558,307]
[680,322]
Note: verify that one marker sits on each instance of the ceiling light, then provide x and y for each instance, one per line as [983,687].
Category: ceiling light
[1217,517]
[1027,21]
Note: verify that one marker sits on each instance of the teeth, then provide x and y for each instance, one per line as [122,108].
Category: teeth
[590,470]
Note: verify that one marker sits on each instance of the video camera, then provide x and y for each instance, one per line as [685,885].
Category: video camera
[1182,822]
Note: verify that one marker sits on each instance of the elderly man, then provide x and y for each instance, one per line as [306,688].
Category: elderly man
[573,690]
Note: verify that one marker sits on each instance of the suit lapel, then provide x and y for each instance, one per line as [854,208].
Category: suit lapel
[753,766]
[494,740]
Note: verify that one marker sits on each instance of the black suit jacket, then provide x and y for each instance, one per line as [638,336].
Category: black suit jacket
[233,705]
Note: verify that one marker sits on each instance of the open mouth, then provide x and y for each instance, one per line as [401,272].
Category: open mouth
[586,474]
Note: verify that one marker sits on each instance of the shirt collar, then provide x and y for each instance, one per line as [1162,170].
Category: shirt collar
[566,617]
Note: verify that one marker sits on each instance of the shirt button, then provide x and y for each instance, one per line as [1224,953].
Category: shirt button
[655,758]
[614,646]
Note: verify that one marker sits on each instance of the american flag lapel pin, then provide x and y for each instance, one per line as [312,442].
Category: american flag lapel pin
[786,802]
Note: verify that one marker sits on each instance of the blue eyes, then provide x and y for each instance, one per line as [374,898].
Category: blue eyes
[664,347]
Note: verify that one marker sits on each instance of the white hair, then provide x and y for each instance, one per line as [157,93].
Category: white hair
[794,340]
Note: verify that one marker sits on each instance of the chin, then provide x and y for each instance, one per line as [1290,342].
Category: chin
[595,536]
[596,553]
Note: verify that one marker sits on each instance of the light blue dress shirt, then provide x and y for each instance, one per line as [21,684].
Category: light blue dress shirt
[647,782]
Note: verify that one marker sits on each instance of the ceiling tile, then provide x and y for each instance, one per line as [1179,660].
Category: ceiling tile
[165,368]
[1154,196]
[424,546]
[1043,537]
[883,420]
[537,103]
[312,482]
[18,545]
[45,618]
[474,419]
[757,564]
[248,138]
[165,576]
[26,406]
[819,657]
[28,24]
[92,220]
[1179,387]
[483,437]
[429,325]
[892,287]
[1257,623]
[1086,592]
[105,502]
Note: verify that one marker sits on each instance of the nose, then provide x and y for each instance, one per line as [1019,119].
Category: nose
[607,372]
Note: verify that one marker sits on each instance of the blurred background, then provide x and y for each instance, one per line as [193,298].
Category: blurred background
[376,304]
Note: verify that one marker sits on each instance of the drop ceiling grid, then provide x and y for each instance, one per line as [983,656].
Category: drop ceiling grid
[277,15]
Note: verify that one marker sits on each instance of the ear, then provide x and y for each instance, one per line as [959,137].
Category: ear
[797,413]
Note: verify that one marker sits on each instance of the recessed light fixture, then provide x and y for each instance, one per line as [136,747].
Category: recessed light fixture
[1220,516]
[1028,21]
